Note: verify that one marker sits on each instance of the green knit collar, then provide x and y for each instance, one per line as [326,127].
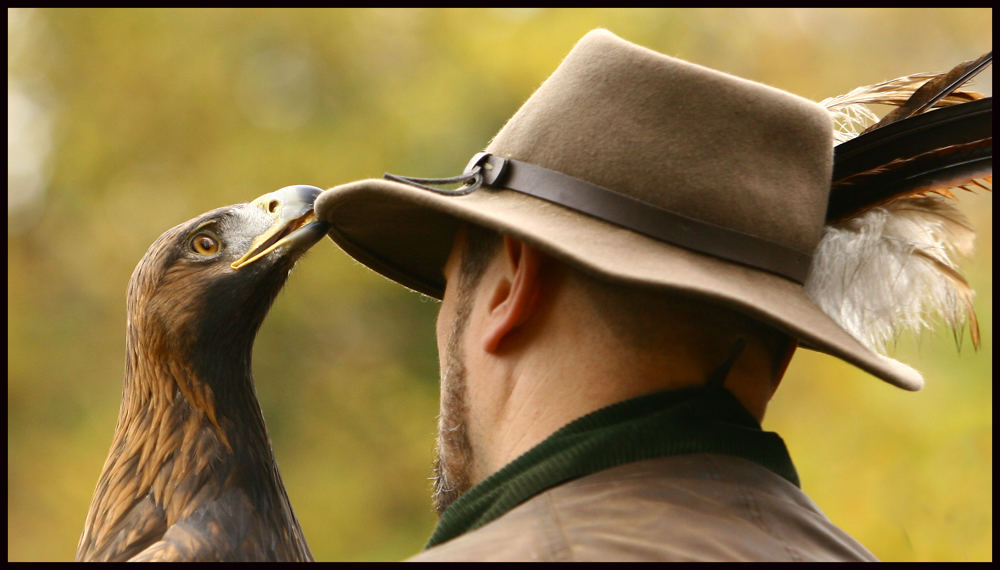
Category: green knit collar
[704,419]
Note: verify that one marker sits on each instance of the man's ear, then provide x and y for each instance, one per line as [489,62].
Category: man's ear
[513,292]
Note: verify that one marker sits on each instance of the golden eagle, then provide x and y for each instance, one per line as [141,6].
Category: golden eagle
[191,474]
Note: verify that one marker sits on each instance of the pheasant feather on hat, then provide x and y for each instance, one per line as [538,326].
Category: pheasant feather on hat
[886,261]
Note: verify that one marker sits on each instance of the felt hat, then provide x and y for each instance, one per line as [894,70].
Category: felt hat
[639,168]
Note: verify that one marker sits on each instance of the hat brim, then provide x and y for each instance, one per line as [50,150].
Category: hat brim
[406,234]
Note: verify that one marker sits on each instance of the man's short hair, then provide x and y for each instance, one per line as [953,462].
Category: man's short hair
[481,244]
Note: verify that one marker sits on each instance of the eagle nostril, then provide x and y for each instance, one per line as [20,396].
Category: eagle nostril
[272,206]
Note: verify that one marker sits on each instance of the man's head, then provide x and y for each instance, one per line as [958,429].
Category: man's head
[528,343]
[648,220]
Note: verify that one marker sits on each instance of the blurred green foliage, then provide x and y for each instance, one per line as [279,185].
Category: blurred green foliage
[125,122]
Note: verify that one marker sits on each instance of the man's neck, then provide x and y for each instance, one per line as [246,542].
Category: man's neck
[552,385]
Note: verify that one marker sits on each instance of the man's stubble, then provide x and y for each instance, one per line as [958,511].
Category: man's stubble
[453,463]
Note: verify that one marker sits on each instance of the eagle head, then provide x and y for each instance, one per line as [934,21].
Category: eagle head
[203,288]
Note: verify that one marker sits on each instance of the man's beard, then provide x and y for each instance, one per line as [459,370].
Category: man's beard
[453,463]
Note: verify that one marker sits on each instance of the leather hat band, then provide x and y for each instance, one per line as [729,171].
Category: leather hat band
[677,229]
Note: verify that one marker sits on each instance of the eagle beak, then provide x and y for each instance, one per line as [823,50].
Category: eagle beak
[294,224]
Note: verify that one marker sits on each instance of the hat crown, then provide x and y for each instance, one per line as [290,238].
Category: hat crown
[682,137]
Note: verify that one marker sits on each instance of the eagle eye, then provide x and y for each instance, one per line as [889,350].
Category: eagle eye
[204,244]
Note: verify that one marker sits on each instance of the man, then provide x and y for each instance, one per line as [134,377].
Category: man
[621,279]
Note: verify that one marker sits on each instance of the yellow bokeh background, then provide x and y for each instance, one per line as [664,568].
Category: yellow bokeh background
[125,122]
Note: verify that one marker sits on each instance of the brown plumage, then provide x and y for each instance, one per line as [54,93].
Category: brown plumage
[191,474]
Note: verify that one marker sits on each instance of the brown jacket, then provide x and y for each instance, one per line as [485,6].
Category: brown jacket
[700,506]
